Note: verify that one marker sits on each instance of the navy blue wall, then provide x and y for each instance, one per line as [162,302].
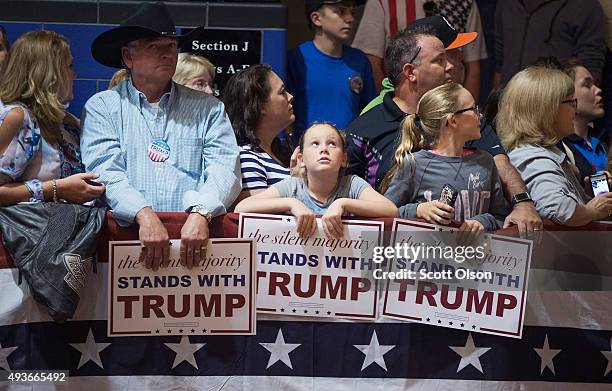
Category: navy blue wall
[71,20]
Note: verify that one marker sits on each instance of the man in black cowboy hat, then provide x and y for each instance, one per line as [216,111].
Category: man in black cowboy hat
[158,146]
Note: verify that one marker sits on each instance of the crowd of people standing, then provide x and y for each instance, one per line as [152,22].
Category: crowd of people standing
[158,141]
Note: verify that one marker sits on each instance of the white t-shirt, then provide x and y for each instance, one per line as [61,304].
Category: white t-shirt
[380,22]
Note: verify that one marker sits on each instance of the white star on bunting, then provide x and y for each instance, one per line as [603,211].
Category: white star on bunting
[608,355]
[90,350]
[4,353]
[374,352]
[279,350]
[546,356]
[470,354]
[185,351]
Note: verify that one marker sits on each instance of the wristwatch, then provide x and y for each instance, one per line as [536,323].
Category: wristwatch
[202,211]
[520,197]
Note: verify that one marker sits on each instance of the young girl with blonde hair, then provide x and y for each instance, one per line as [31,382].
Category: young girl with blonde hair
[446,118]
[40,158]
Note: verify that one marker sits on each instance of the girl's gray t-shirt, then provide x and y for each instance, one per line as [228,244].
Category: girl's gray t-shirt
[474,176]
[349,186]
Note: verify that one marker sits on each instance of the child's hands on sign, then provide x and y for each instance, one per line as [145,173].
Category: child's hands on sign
[332,220]
[469,230]
[306,219]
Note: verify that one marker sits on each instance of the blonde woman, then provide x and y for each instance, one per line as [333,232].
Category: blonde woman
[118,77]
[537,110]
[446,118]
[195,72]
[40,158]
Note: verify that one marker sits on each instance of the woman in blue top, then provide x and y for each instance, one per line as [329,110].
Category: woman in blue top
[259,108]
[40,158]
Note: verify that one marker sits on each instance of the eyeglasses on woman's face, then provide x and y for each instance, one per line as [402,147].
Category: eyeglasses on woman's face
[573,102]
[475,109]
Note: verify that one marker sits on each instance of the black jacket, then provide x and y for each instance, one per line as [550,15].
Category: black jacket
[53,246]
[526,30]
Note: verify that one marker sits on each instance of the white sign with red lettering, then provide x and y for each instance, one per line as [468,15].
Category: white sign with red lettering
[314,276]
[442,281]
[217,297]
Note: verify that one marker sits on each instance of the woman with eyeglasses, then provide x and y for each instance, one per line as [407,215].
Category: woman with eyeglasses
[445,182]
[537,110]
[195,72]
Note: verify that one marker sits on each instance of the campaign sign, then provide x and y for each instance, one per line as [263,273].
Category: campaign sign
[230,51]
[314,276]
[440,278]
[216,297]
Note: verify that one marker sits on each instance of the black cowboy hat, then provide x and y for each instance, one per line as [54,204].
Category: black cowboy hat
[146,21]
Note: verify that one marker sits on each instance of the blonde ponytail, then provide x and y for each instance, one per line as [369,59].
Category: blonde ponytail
[411,139]
[422,130]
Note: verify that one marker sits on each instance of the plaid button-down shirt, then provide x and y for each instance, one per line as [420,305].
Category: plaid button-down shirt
[203,166]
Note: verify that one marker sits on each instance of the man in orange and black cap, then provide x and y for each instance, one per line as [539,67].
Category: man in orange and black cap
[453,43]
[416,63]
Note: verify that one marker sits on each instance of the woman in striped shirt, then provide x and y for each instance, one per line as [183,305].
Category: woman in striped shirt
[259,108]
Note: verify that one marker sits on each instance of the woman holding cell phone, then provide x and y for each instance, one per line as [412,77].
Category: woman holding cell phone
[40,159]
[537,110]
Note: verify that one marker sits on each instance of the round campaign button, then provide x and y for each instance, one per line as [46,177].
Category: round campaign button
[159,150]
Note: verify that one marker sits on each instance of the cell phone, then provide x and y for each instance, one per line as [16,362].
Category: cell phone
[93,183]
[448,195]
[599,183]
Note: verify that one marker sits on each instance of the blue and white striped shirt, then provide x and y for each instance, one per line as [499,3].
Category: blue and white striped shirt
[259,170]
[119,125]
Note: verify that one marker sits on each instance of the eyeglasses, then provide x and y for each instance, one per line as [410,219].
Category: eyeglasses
[416,54]
[475,109]
[573,102]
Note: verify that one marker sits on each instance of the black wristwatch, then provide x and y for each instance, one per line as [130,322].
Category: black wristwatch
[521,197]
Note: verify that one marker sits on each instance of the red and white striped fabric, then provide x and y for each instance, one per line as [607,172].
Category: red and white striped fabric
[382,19]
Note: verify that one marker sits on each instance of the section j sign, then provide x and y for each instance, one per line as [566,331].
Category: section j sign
[230,51]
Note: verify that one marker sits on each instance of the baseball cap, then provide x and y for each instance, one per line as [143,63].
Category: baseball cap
[313,5]
[447,34]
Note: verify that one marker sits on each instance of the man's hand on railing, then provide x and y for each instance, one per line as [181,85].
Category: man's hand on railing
[154,239]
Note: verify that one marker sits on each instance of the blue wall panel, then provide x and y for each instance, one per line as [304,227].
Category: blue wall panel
[93,77]
[274,50]
[81,36]
[83,90]
[15,29]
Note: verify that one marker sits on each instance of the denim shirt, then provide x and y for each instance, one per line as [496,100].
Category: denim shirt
[203,166]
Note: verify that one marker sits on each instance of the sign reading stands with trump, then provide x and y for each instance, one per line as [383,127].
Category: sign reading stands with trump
[314,276]
[216,297]
[441,277]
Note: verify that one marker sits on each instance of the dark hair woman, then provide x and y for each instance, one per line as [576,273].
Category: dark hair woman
[259,108]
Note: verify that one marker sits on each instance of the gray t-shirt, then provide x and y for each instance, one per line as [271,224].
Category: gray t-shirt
[349,186]
[474,176]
